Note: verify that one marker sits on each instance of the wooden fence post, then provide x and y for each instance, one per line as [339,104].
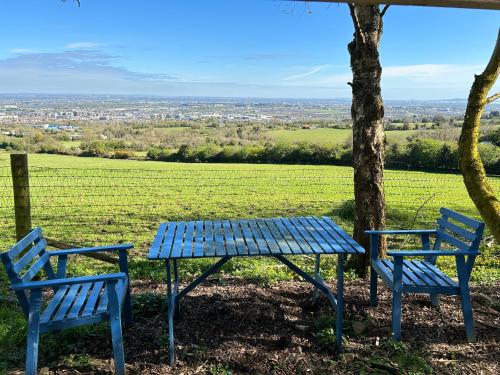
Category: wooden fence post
[20,184]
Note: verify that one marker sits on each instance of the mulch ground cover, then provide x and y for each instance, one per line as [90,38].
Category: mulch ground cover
[232,326]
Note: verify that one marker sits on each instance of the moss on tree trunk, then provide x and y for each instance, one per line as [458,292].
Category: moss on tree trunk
[475,179]
[367,112]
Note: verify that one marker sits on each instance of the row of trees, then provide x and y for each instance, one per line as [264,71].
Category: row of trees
[427,154]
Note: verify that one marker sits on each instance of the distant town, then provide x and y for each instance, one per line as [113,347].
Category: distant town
[60,112]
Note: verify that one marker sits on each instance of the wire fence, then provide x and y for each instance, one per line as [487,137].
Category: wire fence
[96,206]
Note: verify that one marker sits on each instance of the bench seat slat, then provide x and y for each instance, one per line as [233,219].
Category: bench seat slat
[66,303]
[325,234]
[436,275]
[53,304]
[413,266]
[390,266]
[79,301]
[90,304]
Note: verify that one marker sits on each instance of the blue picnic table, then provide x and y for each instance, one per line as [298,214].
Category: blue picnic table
[276,237]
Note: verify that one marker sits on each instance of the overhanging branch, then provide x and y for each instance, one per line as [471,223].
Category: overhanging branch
[492,98]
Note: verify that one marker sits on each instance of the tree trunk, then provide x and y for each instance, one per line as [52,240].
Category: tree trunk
[367,113]
[471,166]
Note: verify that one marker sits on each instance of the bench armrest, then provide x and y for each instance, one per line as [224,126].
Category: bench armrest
[404,231]
[410,253]
[85,250]
[68,281]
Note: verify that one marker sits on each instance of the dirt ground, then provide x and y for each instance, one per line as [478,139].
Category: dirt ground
[232,326]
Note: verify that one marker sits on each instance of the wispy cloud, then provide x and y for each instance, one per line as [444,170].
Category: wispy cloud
[431,72]
[18,51]
[308,73]
[84,45]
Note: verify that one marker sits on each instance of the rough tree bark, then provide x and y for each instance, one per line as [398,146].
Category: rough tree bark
[475,179]
[367,113]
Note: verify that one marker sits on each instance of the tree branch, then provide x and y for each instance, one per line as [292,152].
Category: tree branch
[382,14]
[492,98]
[357,26]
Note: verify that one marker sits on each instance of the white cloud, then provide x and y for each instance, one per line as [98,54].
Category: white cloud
[19,51]
[310,72]
[432,73]
[84,45]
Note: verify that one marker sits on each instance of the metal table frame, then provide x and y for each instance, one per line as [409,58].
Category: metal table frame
[174,295]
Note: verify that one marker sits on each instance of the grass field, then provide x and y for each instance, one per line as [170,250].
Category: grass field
[94,201]
[329,136]
[91,201]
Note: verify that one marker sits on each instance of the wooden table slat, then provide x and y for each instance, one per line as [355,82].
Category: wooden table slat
[270,236]
[294,247]
[278,237]
[259,238]
[247,232]
[229,238]
[198,239]
[168,240]
[187,251]
[241,247]
[271,243]
[209,239]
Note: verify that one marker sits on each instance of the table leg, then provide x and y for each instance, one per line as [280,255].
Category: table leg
[317,276]
[340,302]
[171,303]
[176,288]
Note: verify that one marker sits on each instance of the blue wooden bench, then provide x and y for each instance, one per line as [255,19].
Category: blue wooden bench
[75,301]
[422,276]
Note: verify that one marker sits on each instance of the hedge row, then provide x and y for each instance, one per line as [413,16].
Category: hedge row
[419,154]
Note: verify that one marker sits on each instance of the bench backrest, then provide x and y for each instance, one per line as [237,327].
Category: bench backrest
[460,231]
[25,260]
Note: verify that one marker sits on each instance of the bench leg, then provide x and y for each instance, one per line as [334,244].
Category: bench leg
[463,282]
[397,297]
[127,305]
[339,309]
[434,300]
[317,276]
[116,329]
[373,287]
[33,333]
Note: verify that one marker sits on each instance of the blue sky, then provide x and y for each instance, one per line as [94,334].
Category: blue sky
[252,48]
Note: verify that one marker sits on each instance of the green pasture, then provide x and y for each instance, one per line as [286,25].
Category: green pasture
[329,135]
[91,201]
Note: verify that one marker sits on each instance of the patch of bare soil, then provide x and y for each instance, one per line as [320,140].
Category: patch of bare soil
[232,326]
